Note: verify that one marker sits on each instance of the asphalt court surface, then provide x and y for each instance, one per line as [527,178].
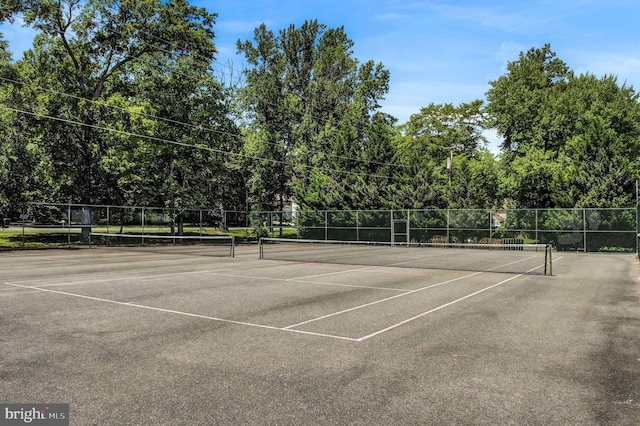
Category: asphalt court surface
[214,340]
[343,302]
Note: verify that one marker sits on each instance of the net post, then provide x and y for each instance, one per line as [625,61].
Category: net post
[261,255]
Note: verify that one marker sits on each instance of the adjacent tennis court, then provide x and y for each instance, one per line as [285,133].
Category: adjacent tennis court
[157,335]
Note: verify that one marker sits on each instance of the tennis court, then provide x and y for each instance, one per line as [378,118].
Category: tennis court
[146,335]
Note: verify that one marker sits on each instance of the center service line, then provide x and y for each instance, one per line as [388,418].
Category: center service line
[391,327]
[381,300]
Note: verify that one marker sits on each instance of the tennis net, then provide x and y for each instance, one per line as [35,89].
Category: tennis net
[508,258]
[218,245]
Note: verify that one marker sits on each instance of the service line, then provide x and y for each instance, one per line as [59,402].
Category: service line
[171,311]
[453,302]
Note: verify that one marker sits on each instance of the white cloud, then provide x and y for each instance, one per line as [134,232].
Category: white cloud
[626,67]
[509,17]
[509,51]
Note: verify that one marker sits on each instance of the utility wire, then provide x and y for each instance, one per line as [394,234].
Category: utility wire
[206,59]
[193,126]
[210,149]
[317,119]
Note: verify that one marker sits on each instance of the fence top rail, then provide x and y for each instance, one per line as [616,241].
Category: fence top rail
[574,209]
[31,203]
[303,212]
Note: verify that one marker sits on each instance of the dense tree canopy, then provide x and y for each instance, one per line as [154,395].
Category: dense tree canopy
[440,148]
[117,103]
[313,111]
[569,141]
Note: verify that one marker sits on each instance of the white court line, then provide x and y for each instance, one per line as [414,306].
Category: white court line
[391,327]
[79,278]
[90,280]
[367,268]
[413,291]
[404,294]
[186,314]
[289,328]
[304,281]
[381,300]
[343,271]
[376,268]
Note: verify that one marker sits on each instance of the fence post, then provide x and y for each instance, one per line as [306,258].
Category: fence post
[326,225]
[584,228]
[638,230]
[270,216]
[69,225]
[23,217]
[393,234]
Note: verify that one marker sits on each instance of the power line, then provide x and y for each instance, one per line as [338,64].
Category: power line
[193,126]
[199,127]
[177,46]
[142,114]
[317,119]
[210,149]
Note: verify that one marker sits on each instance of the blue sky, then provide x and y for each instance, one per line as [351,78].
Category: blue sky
[442,51]
[447,51]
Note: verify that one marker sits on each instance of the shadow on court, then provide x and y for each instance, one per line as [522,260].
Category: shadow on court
[152,337]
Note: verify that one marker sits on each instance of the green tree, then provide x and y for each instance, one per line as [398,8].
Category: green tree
[312,113]
[87,49]
[531,180]
[186,163]
[475,181]
[19,151]
[523,104]
[439,151]
[599,162]
[568,140]
[267,135]
[7,156]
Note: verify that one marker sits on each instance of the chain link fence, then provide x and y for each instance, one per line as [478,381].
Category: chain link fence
[589,230]
[45,225]
[50,225]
